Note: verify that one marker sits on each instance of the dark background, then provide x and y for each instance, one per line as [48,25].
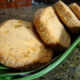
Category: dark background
[53,1]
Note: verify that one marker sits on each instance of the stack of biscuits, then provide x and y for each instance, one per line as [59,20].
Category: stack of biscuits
[21,47]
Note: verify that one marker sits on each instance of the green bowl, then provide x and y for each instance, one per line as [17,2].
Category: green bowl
[7,74]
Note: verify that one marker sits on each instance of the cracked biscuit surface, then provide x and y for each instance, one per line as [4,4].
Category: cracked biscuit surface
[76,9]
[67,16]
[19,45]
[50,29]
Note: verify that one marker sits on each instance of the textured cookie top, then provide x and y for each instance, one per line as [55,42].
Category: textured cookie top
[19,45]
[67,16]
[50,28]
[76,9]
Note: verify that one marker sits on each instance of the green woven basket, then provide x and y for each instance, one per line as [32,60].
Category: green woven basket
[8,74]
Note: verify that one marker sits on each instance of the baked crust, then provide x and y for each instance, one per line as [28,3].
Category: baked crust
[51,31]
[20,47]
[76,9]
[67,16]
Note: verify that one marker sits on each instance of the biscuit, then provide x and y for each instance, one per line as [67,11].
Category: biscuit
[51,31]
[76,9]
[67,16]
[20,47]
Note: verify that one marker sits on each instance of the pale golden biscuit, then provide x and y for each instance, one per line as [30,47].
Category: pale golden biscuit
[67,16]
[20,47]
[50,29]
[76,9]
